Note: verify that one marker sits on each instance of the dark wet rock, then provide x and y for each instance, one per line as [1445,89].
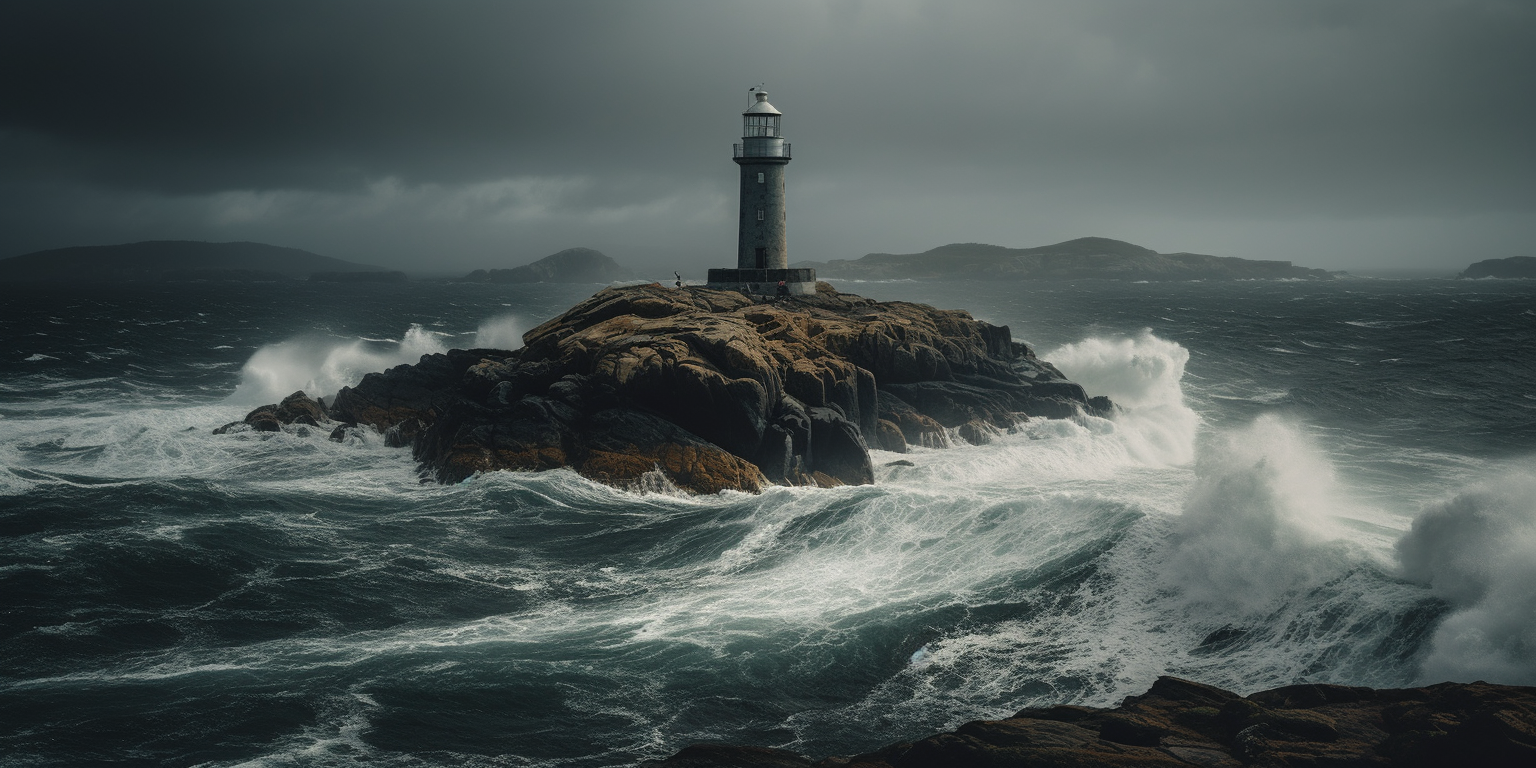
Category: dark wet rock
[838,449]
[1100,406]
[916,428]
[889,437]
[710,390]
[297,408]
[975,432]
[264,419]
[1182,723]
[343,432]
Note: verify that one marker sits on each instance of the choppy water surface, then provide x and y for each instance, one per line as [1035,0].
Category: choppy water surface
[171,597]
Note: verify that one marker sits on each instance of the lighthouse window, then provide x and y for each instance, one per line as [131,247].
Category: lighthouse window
[759,214]
[761,125]
[759,178]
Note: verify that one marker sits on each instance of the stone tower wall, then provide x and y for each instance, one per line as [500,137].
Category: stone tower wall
[767,197]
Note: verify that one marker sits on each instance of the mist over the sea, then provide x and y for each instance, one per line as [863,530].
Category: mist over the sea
[1306,481]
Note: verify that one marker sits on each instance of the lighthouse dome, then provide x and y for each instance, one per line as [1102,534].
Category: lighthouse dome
[761,106]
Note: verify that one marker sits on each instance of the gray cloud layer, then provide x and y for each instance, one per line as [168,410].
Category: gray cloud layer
[451,136]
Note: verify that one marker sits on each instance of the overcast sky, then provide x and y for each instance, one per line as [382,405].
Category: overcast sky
[450,136]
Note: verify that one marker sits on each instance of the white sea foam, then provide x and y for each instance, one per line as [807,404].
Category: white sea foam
[322,366]
[500,332]
[335,738]
[1477,551]
[1256,518]
[1248,540]
[1143,375]
[160,443]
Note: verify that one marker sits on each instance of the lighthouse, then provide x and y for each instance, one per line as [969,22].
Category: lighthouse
[762,253]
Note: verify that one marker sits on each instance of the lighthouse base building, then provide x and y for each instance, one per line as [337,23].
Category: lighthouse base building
[762,256]
[798,282]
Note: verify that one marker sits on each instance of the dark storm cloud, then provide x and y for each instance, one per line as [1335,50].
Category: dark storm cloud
[203,96]
[393,129]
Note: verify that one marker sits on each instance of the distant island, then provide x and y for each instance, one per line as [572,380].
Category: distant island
[572,265]
[173,260]
[1514,266]
[1085,257]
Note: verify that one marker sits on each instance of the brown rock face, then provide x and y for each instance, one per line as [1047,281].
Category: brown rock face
[1182,723]
[714,390]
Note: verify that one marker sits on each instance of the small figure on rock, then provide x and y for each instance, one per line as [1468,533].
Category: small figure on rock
[783,289]
[679,279]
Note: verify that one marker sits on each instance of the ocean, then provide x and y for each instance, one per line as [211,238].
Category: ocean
[1306,481]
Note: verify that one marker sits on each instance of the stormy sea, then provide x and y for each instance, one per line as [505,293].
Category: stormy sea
[1305,481]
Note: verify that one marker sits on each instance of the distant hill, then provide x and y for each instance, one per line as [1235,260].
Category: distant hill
[1085,257]
[1514,266]
[173,260]
[572,265]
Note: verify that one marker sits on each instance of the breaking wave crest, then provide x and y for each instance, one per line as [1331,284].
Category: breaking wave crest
[322,366]
[1255,521]
[1143,375]
[1477,551]
[500,332]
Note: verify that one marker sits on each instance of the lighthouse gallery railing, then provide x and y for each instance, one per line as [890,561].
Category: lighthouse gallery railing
[754,150]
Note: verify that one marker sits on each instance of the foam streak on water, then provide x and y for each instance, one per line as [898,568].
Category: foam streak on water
[280,599]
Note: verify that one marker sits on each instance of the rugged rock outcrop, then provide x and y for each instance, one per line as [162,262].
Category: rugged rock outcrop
[1181,723]
[712,389]
[297,408]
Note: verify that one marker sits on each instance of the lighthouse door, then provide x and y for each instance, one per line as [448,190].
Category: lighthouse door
[762,258]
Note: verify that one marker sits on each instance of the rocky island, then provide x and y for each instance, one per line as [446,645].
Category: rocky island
[705,389]
[1178,723]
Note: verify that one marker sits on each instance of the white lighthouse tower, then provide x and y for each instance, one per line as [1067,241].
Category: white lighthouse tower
[762,254]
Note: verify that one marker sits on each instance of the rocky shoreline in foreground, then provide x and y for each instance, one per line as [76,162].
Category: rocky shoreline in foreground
[1178,723]
[709,390]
